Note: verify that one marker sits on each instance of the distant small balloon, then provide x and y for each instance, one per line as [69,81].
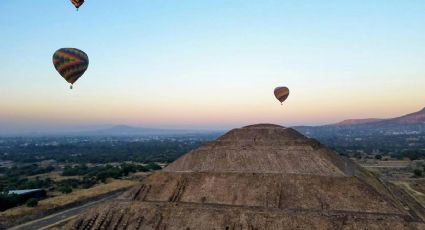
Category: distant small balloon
[281,93]
[71,63]
[77,3]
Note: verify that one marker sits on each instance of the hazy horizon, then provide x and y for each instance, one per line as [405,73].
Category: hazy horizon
[49,128]
[210,64]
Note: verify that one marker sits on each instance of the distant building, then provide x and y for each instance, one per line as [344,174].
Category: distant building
[26,194]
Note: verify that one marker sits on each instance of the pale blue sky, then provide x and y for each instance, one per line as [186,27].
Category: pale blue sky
[180,63]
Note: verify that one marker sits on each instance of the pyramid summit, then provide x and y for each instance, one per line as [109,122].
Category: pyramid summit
[256,177]
[261,148]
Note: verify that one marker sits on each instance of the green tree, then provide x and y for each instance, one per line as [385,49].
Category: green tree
[7,201]
[65,189]
[417,173]
[32,202]
[88,182]
[153,166]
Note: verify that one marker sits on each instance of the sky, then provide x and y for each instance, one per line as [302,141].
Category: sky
[211,64]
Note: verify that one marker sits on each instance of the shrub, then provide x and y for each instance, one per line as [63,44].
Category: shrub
[417,173]
[32,202]
[65,189]
[153,166]
[7,201]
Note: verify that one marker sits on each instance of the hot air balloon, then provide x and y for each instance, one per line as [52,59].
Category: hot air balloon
[77,3]
[281,93]
[71,63]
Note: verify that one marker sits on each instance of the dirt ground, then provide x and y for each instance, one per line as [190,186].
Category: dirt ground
[400,173]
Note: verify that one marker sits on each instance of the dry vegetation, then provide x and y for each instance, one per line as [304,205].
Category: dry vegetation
[65,199]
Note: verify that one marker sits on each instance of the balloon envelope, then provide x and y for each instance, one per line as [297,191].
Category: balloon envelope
[77,3]
[281,93]
[71,63]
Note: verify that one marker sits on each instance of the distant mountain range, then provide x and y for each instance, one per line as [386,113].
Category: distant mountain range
[125,130]
[407,124]
[408,119]
[358,121]
[413,122]
[117,131]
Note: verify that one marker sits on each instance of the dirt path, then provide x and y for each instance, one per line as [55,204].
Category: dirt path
[408,187]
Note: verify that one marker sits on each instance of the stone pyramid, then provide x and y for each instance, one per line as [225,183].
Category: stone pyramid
[257,177]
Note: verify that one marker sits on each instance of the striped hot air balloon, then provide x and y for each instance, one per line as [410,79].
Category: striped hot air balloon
[77,3]
[71,63]
[281,93]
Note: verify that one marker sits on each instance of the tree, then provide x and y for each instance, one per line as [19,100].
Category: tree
[88,182]
[417,173]
[102,176]
[7,201]
[153,166]
[32,202]
[65,189]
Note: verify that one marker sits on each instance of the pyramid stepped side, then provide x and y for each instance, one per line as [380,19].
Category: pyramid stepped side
[266,149]
[257,177]
[177,216]
[286,192]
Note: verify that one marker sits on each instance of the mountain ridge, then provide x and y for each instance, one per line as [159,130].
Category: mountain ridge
[410,118]
[412,123]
